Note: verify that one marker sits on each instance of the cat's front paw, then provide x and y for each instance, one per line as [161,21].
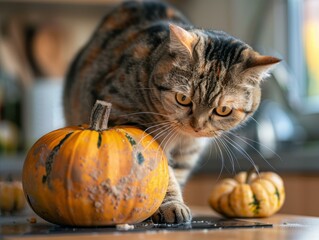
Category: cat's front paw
[172,212]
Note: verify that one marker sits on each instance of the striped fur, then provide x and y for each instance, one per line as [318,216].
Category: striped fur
[139,58]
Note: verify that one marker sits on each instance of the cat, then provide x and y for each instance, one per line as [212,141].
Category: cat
[181,84]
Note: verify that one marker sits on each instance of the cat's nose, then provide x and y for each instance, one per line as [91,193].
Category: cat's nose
[197,129]
[196,125]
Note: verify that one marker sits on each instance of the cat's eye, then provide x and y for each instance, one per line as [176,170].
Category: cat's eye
[183,99]
[223,111]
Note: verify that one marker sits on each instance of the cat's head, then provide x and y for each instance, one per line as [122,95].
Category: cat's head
[208,82]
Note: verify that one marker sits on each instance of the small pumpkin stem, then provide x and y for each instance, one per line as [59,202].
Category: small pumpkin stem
[100,115]
[251,173]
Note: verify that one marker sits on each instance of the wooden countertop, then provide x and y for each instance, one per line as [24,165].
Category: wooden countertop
[284,227]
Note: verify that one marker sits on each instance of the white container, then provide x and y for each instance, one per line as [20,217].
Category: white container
[42,109]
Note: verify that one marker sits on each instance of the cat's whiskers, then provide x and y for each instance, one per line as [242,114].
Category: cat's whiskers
[255,120]
[260,144]
[216,143]
[146,133]
[162,132]
[221,146]
[204,161]
[241,150]
[159,127]
[256,142]
[255,149]
[173,133]
[167,131]
[153,124]
[230,155]
[137,113]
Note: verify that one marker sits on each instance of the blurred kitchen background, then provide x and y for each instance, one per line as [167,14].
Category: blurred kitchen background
[38,39]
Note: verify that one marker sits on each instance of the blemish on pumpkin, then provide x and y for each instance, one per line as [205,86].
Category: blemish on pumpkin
[50,159]
[277,194]
[97,204]
[256,205]
[140,158]
[141,197]
[95,174]
[77,195]
[130,139]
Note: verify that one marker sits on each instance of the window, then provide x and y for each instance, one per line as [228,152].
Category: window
[304,52]
[310,35]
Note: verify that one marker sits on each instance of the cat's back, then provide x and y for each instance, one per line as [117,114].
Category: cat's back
[133,13]
[128,24]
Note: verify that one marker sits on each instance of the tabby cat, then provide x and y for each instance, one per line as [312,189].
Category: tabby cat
[181,84]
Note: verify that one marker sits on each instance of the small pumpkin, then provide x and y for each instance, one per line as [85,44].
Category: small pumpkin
[248,195]
[11,197]
[93,175]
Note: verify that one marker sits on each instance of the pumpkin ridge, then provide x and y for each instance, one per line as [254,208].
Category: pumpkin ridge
[229,184]
[230,203]
[50,159]
[68,179]
[219,208]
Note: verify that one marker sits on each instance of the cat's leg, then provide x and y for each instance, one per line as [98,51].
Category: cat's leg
[184,157]
[172,209]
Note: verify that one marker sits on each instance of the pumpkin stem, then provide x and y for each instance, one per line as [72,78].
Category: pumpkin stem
[251,174]
[100,115]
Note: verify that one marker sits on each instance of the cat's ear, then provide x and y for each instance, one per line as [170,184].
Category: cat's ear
[258,66]
[181,40]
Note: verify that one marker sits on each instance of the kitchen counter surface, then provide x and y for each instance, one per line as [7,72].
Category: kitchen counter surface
[279,226]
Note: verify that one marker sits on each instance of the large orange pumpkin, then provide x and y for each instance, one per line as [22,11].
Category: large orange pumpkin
[95,175]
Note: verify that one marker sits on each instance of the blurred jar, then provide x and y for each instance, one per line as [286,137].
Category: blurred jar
[42,109]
